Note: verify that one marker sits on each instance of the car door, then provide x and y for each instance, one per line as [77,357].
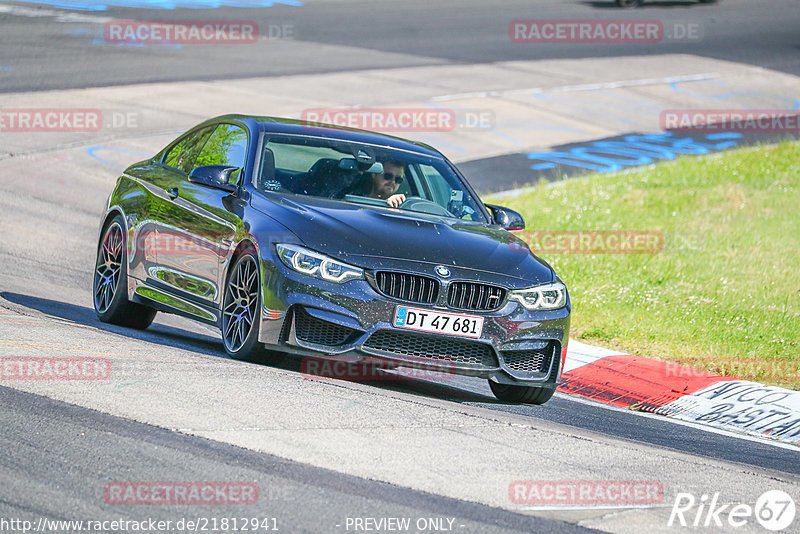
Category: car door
[145,200]
[198,224]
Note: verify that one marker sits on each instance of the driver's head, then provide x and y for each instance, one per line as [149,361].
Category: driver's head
[386,183]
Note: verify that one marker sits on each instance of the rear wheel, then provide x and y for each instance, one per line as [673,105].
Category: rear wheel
[240,308]
[522,394]
[111,281]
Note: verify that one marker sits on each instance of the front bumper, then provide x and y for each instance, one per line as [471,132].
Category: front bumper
[353,321]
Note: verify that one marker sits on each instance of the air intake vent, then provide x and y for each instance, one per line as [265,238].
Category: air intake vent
[529,361]
[312,330]
[434,348]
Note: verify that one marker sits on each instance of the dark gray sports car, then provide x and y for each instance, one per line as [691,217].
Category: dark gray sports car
[329,242]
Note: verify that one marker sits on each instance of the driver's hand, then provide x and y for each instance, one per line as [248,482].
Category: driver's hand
[394,201]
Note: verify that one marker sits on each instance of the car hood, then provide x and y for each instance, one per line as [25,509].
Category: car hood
[370,237]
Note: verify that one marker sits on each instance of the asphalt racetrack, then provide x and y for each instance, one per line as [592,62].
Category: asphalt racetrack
[328,455]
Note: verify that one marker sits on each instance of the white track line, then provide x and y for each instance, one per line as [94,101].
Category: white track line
[61,16]
[581,87]
[697,426]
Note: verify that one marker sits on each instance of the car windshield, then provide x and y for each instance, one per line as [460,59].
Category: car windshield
[364,174]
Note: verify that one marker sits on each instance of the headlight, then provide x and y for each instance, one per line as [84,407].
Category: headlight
[546,297]
[313,264]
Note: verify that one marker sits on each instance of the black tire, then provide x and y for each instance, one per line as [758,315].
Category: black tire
[629,3]
[521,394]
[241,305]
[109,289]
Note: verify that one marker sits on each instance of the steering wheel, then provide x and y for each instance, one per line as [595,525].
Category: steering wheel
[423,205]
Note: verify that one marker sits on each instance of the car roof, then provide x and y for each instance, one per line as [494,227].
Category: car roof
[281,125]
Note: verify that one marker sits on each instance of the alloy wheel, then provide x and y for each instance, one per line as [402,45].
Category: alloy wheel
[240,305]
[108,268]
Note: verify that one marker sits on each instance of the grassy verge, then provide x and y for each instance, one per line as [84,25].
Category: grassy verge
[724,293]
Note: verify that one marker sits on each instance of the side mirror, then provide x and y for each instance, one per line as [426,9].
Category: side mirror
[215,176]
[507,218]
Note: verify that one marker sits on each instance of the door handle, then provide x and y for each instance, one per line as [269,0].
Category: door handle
[173,193]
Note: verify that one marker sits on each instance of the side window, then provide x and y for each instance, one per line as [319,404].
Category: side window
[453,199]
[405,187]
[183,155]
[226,146]
[440,189]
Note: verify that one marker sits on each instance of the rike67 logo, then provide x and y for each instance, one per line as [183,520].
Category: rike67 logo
[774,510]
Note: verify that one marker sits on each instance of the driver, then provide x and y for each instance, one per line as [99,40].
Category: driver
[386,183]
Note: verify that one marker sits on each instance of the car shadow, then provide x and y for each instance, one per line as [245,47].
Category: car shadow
[390,381]
[156,333]
[437,390]
[212,346]
[415,380]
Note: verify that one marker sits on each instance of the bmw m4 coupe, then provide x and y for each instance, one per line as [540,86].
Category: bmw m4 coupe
[328,242]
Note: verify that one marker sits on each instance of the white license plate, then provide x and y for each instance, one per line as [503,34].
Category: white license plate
[442,323]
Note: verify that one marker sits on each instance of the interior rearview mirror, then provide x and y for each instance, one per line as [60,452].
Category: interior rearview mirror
[350,164]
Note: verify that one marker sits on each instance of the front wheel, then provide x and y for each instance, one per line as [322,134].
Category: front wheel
[240,308]
[521,394]
[111,281]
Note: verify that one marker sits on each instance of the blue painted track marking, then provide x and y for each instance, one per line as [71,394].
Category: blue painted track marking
[96,35]
[137,45]
[92,149]
[612,156]
[793,102]
[724,135]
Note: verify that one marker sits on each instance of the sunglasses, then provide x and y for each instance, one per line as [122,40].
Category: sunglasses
[398,179]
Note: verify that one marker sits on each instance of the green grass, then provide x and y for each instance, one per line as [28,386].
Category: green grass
[723,295]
